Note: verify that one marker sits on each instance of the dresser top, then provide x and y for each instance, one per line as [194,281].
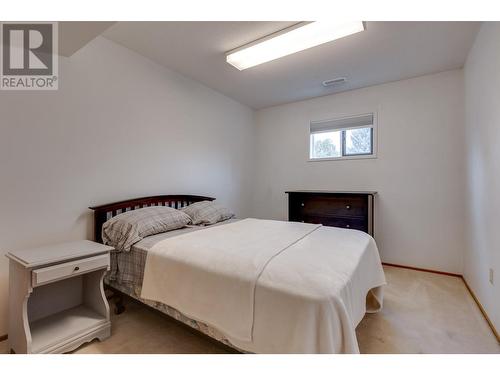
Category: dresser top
[61,252]
[331,192]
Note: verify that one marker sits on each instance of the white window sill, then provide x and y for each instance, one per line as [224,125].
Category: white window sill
[353,157]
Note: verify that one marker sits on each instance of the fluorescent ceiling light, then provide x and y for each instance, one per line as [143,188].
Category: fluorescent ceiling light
[291,40]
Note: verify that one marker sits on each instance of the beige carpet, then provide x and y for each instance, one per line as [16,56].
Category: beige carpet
[426,313]
[423,313]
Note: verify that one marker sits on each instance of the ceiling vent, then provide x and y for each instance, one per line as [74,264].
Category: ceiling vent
[334,82]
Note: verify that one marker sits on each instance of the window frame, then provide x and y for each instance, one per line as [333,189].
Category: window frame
[344,156]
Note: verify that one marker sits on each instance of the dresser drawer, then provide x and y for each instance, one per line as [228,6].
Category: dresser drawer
[339,222]
[64,270]
[332,206]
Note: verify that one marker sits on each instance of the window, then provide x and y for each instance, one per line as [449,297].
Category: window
[344,138]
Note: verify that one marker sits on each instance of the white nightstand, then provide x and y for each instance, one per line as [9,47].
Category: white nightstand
[56,297]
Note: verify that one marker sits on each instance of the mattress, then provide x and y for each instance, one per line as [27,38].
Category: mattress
[296,267]
[127,273]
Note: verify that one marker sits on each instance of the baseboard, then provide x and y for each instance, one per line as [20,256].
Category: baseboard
[483,311]
[3,338]
[422,269]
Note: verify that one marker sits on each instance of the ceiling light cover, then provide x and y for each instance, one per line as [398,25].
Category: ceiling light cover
[296,39]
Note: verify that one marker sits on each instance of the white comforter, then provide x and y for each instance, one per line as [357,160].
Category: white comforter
[270,286]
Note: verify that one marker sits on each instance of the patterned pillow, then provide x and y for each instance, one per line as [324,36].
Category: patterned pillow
[125,229]
[207,213]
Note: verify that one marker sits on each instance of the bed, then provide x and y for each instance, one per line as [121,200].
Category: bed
[305,292]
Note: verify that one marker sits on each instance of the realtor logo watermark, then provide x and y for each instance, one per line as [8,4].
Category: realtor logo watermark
[29,59]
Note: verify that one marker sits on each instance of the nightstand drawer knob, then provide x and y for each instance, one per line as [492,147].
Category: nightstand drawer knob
[348,207]
[302,204]
[77,268]
[347,226]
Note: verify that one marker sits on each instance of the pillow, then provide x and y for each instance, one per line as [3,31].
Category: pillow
[125,229]
[207,213]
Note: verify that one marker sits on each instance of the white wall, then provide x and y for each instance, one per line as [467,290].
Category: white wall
[119,127]
[482,99]
[418,174]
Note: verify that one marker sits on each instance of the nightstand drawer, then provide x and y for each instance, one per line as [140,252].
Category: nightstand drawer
[61,271]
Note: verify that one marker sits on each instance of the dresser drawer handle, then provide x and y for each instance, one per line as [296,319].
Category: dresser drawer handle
[76,268]
[348,207]
[347,226]
[302,204]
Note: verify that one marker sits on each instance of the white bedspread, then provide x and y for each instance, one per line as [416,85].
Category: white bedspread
[270,286]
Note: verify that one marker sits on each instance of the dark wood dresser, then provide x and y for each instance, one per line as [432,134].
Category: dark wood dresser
[343,209]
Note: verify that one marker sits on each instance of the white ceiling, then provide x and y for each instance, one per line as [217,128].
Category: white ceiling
[384,52]
[75,35]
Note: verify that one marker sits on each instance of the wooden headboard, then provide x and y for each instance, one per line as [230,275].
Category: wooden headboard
[106,211]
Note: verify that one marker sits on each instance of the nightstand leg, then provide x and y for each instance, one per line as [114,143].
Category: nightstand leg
[19,292]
